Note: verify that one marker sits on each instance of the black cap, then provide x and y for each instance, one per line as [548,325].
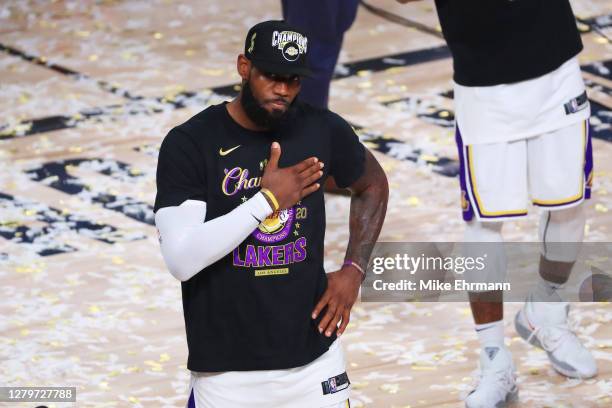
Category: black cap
[276,47]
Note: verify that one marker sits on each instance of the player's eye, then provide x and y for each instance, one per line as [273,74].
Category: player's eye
[271,76]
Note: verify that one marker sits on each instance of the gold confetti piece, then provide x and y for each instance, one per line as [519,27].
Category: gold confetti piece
[93,57]
[364,85]
[7,132]
[583,27]
[117,260]
[164,357]
[75,149]
[29,213]
[444,114]
[429,158]
[604,346]
[390,388]
[35,358]
[25,269]
[386,98]
[103,385]
[363,73]
[534,371]
[23,127]
[82,34]
[134,369]
[601,208]
[93,309]
[189,53]
[134,400]
[395,70]
[423,368]
[24,332]
[601,40]
[24,98]
[114,373]
[158,36]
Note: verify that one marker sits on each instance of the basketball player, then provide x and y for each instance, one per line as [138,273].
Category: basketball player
[523,135]
[241,220]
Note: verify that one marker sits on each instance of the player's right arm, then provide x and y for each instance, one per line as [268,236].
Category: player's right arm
[188,244]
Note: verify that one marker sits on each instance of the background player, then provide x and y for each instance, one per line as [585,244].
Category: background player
[522,133]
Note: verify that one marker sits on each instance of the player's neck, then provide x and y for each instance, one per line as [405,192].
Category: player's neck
[238,114]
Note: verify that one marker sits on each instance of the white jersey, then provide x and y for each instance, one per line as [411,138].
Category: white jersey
[507,112]
[298,387]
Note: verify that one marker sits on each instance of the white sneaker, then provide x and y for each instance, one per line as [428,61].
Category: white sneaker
[567,355]
[497,385]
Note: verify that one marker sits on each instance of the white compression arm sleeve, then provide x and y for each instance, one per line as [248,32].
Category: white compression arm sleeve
[188,244]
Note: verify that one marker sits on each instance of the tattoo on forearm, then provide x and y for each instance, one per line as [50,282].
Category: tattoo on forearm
[368,209]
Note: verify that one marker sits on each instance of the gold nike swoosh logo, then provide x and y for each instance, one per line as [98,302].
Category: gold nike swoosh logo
[228,151]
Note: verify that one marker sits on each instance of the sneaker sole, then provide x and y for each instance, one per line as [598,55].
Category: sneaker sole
[511,398]
[523,329]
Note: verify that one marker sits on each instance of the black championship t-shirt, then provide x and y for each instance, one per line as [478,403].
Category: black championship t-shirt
[251,309]
[504,41]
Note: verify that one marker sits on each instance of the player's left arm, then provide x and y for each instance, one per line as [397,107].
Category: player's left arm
[370,193]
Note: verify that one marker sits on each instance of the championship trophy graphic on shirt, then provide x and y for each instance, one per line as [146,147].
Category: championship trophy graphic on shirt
[279,235]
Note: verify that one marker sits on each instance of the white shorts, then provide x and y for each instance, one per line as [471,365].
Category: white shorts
[552,170]
[300,387]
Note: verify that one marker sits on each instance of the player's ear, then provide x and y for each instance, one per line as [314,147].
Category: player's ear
[243,66]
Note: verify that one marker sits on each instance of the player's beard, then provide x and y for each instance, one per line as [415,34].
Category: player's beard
[259,115]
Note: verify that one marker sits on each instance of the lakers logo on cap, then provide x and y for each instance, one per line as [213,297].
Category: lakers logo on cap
[290,52]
